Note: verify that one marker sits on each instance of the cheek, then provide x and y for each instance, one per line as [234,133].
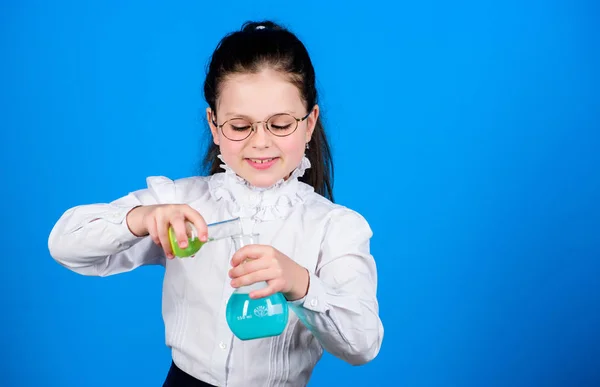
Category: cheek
[294,149]
[230,149]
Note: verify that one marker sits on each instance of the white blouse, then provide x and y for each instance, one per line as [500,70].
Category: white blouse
[339,314]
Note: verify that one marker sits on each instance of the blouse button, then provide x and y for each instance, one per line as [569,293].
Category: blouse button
[314,302]
[222,345]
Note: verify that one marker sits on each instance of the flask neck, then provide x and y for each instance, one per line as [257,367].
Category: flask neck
[250,288]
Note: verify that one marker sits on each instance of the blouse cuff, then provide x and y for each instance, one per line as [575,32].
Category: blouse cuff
[314,299]
[119,217]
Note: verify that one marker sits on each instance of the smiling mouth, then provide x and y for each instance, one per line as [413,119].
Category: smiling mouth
[262,161]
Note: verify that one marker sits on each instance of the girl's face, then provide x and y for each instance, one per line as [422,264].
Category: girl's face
[263,158]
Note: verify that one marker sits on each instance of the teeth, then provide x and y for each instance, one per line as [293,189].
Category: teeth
[260,161]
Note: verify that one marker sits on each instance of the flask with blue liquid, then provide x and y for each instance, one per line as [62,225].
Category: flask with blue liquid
[255,318]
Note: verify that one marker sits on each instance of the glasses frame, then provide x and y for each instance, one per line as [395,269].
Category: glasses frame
[265,125]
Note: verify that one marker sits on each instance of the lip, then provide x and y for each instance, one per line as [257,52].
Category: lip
[262,166]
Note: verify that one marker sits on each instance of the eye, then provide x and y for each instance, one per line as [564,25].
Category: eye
[281,127]
[239,125]
[240,128]
[282,122]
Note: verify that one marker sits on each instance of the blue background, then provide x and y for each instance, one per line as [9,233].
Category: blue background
[467,133]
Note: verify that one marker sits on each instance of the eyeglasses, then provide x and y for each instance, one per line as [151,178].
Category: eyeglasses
[280,125]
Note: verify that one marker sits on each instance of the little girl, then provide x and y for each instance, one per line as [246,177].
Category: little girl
[269,165]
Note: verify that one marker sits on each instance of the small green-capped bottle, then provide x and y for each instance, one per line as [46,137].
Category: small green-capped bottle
[194,243]
[216,231]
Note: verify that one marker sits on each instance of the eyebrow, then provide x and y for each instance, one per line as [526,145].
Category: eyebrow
[238,115]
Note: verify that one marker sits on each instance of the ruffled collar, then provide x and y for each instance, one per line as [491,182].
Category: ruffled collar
[246,200]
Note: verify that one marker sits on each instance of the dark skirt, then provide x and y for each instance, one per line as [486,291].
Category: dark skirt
[177,378]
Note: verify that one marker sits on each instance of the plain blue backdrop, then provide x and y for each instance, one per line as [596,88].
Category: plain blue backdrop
[467,133]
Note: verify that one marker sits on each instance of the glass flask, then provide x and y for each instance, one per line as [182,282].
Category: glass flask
[216,231]
[250,318]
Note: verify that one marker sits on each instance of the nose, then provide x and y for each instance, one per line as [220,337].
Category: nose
[261,137]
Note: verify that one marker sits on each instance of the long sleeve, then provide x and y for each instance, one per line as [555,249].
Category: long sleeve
[341,307]
[94,239]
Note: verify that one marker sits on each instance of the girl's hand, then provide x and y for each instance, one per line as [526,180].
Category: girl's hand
[155,221]
[253,263]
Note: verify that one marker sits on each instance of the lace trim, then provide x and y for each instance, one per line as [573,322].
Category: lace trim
[246,200]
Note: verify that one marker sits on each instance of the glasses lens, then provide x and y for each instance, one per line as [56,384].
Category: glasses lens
[237,129]
[282,124]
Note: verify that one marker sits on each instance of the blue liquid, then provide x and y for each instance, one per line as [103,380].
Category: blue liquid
[253,319]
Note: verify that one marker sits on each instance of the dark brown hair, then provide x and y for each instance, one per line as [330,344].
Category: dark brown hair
[266,44]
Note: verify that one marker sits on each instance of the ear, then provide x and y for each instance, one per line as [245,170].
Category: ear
[213,128]
[312,122]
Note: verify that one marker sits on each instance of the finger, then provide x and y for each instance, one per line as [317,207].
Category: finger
[249,267]
[198,221]
[248,252]
[163,235]
[180,229]
[274,287]
[255,276]
[153,231]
